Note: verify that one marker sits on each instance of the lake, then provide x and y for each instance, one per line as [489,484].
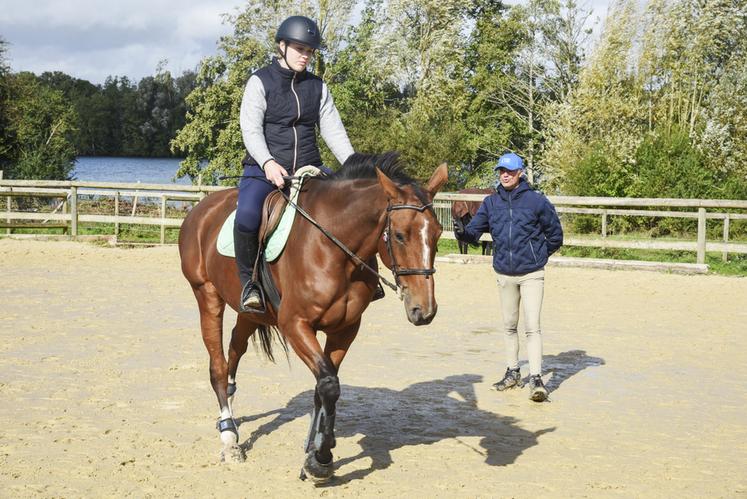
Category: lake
[115,169]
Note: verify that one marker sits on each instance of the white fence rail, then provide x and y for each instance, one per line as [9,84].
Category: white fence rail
[66,215]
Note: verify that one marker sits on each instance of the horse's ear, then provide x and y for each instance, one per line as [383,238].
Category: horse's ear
[391,189]
[438,179]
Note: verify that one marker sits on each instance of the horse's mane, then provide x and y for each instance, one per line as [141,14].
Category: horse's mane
[360,165]
[363,166]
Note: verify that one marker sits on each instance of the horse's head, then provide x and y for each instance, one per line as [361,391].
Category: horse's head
[408,246]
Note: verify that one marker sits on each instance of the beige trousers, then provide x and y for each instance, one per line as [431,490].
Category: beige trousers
[525,292]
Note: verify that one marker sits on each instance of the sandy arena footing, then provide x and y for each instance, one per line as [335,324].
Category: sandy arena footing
[105,390]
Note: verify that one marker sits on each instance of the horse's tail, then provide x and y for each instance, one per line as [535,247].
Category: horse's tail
[264,336]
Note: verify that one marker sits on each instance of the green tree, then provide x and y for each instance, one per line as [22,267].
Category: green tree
[365,97]
[41,123]
[6,140]
[670,79]
[603,117]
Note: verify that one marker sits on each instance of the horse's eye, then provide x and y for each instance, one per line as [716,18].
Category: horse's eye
[399,237]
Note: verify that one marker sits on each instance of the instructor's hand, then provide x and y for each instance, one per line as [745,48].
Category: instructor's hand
[458,229]
[274,173]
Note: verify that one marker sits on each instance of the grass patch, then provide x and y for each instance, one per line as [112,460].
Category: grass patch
[736,266]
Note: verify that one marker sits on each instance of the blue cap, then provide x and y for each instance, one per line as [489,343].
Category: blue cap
[510,161]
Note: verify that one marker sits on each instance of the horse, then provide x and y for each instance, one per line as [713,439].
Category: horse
[464,211]
[372,207]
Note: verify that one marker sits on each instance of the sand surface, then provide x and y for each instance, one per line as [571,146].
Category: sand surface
[104,389]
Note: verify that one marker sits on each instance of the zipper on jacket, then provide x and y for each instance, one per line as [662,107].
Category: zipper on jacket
[510,236]
[298,117]
[533,253]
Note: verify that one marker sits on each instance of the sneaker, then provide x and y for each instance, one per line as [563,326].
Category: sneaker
[537,390]
[511,379]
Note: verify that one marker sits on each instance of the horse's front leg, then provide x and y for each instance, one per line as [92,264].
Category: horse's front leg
[321,438]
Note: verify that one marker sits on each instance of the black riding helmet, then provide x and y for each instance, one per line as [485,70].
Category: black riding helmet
[301,30]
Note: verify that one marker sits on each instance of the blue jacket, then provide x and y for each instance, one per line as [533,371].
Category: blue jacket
[524,226]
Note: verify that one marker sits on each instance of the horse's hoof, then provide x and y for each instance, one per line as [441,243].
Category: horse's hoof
[232,454]
[315,471]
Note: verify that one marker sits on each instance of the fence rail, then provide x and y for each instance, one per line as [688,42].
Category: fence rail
[67,214]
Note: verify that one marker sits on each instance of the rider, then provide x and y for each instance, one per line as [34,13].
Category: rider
[283,104]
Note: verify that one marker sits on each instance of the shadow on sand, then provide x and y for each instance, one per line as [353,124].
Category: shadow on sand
[422,413]
[567,364]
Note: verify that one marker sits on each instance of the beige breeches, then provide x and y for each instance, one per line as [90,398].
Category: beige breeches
[525,291]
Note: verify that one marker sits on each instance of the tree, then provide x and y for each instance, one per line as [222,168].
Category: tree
[41,124]
[602,122]
[6,139]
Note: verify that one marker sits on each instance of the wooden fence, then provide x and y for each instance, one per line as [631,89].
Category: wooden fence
[66,215]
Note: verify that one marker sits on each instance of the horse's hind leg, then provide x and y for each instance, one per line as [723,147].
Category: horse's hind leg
[240,335]
[211,307]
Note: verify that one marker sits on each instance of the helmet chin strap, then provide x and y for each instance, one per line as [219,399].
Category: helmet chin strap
[285,57]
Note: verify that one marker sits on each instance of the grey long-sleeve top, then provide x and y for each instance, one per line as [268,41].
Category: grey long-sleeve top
[251,118]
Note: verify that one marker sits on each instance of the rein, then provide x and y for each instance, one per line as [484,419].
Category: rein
[340,244]
[396,269]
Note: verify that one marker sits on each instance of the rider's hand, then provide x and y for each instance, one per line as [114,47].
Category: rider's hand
[274,173]
[458,229]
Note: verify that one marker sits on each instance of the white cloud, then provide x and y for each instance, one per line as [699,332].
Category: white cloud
[93,39]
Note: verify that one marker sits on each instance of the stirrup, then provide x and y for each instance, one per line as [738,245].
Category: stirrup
[251,298]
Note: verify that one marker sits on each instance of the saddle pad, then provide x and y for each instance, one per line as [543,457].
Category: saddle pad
[276,242]
[225,237]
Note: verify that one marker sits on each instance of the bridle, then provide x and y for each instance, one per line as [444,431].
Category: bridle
[396,269]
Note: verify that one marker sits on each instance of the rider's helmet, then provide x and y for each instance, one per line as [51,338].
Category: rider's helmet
[510,161]
[301,30]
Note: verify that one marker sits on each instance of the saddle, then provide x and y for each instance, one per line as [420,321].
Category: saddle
[278,217]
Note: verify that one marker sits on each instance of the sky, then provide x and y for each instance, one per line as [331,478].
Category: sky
[93,39]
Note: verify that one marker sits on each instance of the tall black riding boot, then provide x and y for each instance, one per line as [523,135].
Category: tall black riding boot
[246,246]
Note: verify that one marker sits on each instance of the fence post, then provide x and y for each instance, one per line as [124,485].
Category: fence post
[701,235]
[163,218]
[199,184]
[725,254]
[74,211]
[604,223]
[134,202]
[116,217]
[7,231]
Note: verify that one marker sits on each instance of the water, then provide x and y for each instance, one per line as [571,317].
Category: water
[144,170]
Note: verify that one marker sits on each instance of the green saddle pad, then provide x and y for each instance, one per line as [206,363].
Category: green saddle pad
[279,236]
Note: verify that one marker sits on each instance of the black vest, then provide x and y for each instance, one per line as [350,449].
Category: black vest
[292,114]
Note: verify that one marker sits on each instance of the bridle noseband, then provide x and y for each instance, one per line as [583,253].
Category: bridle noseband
[396,269]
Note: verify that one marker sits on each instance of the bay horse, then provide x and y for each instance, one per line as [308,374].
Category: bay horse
[464,211]
[372,207]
